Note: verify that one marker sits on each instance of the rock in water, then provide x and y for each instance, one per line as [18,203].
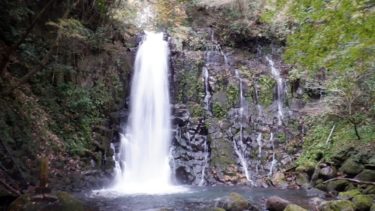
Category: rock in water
[337,205]
[235,202]
[275,203]
[294,207]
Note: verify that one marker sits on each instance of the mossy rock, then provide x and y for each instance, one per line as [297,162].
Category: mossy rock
[351,167]
[302,179]
[372,207]
[362,202]
[62,201]
[337,205]
[68,202]
[307,167]
[366,175]
[294,207]
[337,185]
[234,202]
[347,195]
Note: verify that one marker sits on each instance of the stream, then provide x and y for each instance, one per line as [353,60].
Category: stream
[194,198]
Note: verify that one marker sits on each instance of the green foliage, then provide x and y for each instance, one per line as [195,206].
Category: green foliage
[196,110]
[218,111]
[233,94]
[337,35]
[334,42]
[190,87]
[266,84]
[315,143]
[71,28]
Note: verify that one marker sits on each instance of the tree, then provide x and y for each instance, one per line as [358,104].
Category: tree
[337,37]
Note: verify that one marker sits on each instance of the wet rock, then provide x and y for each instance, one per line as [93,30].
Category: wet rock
[351,167]
[275,203]
[303,180]
[61,201]
[362,202]
[337,185]
[348,195]
[328,172]
[366,175]
[279,180]
[372,207]
[235,202]
[294,207]
[337,205]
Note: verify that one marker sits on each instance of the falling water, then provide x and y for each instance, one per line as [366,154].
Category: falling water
[259,141]
[207,96]
[205,163]
[273,162]
[143,160]
[280,90]
[239,147]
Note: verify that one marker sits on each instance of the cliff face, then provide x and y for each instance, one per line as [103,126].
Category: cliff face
[228,127]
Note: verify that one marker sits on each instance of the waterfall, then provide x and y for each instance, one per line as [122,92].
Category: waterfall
[280,90]
[142,164]
[205,164]
[273,162]
[207,96]
[259,141]
[239,147]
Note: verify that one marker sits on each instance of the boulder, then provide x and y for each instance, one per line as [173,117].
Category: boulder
[337,205]
[351,167]
[60,201]
[366,175]
[235,202]
[302,179]
[372,207]
[294,207]
[328,172]
[348,195]
[362,202]
[337,185]
[275,203]
[279,180]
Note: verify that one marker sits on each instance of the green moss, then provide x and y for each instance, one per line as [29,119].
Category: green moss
[218,111]
[196,110]
[362,202]
[347,195]
[294,207]
[222,153]
[68,202]
[233,95]
[266,84]
[337,205]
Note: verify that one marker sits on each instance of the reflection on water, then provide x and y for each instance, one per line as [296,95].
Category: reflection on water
[196,198]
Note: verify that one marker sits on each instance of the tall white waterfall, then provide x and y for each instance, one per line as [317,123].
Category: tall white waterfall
[143,160]
[280,90]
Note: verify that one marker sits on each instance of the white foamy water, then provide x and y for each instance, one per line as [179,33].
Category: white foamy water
[280,90]
[142,165]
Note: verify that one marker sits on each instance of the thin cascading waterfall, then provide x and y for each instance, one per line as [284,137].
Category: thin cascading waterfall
[205,164]
[239,147]
[273,162]
[280,90]
[207,96]
[144,146]
[260,144]
[257,98]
